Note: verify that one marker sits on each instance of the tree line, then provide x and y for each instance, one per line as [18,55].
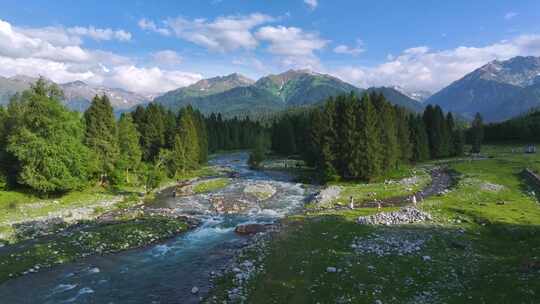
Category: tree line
[46,147]
[524,128]
[232,134]
[363,138]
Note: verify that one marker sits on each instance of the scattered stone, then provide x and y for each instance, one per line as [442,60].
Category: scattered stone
[391,243]
[426,258]
[491,187]
[407,215]
[195,290]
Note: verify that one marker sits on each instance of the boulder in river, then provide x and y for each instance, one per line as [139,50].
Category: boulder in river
[250,229]
[261,191]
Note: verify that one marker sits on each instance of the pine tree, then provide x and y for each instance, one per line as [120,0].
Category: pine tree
[349,137]
[369,147]
[477,133]
[101,136]
[388,136]
[404,136]
[128,140]
[188,135]
[45,141]
[419,139]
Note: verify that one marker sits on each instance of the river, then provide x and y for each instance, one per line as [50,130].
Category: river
[165,272]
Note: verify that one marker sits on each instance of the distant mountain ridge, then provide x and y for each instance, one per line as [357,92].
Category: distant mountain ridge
[270,93]
[498,90]
[78,94]
[230,95]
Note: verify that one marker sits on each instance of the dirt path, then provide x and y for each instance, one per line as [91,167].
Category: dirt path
[441,180]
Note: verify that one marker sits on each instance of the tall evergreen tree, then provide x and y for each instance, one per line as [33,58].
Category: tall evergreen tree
[477,133]
[128,140]
[403,135]
[101,136]
[188,135]
[388,133]
[369,146]
[419,139]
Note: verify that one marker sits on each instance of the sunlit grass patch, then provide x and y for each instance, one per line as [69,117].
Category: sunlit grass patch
[211,185]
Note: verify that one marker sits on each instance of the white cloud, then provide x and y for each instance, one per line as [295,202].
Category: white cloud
[100,34]
[294,46]
[55,54]
[58,35]
[311,3]
[350,50]
[251,62]
[222,34]
[510,15]
[149,80]
[148,25]
[421,68]
[167,57]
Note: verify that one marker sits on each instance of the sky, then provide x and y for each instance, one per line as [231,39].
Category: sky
[156,46]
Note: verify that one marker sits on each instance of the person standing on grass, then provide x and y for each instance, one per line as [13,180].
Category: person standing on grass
[351,202]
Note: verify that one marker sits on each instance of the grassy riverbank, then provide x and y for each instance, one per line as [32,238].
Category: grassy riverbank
[89,239]
[482,247]
[77,234]
[19,206]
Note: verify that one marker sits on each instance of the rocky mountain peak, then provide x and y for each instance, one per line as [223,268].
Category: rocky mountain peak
[518,71]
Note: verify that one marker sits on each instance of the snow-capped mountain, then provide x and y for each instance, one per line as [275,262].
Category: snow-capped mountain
[498,90]
[77,94]
[418,95]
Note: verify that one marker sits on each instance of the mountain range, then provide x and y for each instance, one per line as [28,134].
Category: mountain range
[498,90]
[236,94]
[77,94]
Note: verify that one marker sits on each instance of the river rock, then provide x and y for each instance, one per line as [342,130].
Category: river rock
[327,195]
[250,229]
[407,215]
[261,191]
[195,290]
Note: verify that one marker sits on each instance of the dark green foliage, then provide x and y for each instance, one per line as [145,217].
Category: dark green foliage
[152,123]
[477,133]
[44,141]
[231,134]
[101,137]
[130,151]
[258,154]
[283,139]
[48,148]
[439,132]
[403,135]
[369,144]
[419,139]
[364,139]
[186,143]
[524,128]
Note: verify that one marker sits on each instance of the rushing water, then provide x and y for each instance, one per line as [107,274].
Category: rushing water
[166,272]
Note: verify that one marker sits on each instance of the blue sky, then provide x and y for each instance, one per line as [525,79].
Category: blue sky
[153,46]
